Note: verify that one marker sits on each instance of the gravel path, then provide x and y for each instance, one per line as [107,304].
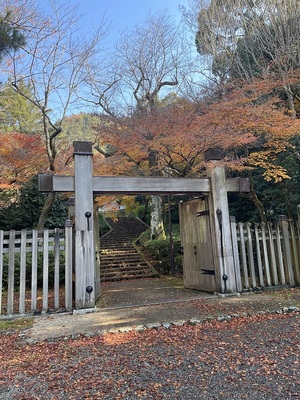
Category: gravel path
[137,304]
[246,358]
[239,348]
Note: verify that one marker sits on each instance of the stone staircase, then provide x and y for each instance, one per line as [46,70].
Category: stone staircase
[119,258]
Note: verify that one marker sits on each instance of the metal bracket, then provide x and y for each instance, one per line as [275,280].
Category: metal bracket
[202,213]
[207,271]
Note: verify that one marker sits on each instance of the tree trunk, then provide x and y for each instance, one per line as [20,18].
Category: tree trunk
[145,209]
[290,98]
[46,210]
[157,227]
[257,203]
[157,221]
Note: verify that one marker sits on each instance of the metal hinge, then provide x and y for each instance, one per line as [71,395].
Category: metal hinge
[202,213]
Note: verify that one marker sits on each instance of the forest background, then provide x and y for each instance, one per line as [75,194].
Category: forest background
[150,104]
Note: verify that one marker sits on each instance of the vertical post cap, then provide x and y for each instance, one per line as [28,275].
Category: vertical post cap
[214,154]
[83,148]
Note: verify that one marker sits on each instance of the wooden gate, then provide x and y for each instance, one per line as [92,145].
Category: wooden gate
[195,232]
[215,186]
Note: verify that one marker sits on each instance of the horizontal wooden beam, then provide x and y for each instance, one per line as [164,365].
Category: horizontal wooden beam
[149,185]
[56,183]
[139,185]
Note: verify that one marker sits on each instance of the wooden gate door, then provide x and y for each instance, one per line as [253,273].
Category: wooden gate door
[195,232]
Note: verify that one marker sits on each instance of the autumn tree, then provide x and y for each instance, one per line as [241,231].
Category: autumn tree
[280,198]
[248,39]
[270,47]
[252,109]
[17,113]
[180,132]
[147,63]
[21,156]
[252,45]
[53,63]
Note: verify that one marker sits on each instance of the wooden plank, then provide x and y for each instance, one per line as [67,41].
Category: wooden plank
[204,256]
[97,253]
[56,268]
[265,254]
[11,273]
[293,230]
[63,183]
[1,268]
[196,242]
[34,270]
[235,249]
[22,272]
[273,265]
[258,256]
[45,270]
[297,224]
[286,244]
[280,255]
[141,185]
[68,264]
[250,255]
[243,255]
[156,185]
[84,236]
[221,235]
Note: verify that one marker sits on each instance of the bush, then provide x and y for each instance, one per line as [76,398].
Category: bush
[103,226]
[158,248]
[25,212]
[29,270]
[159,251]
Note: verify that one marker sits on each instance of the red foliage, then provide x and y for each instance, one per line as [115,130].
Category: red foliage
[180,133]
[21,156]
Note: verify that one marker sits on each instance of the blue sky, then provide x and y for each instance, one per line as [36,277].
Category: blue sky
[124,14]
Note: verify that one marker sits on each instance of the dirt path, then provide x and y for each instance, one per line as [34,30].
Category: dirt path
[143,303]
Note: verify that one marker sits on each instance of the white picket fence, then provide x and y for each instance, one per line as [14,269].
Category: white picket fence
[24,257]
[266,255]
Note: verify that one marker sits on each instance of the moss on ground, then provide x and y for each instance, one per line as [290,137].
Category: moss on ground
[15,324]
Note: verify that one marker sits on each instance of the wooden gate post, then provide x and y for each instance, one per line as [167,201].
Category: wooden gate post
[84,226]
[220,224]
[97,253]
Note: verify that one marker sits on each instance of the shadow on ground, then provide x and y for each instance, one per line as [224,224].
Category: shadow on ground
[154,301]
[146,292]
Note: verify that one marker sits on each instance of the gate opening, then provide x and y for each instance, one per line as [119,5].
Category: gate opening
[207,221]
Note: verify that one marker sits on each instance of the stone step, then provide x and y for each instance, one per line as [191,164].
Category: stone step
[126,269]
[115,250]
[122,261]
[121,255]
[126,277]
[118,257]
[117,245]
[120,265]
[133,258]
[117,275]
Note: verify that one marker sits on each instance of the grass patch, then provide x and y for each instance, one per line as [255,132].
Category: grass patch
[15,324]
[174,281]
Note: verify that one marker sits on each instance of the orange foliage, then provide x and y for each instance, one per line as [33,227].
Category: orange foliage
[179,134]
[21,156]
